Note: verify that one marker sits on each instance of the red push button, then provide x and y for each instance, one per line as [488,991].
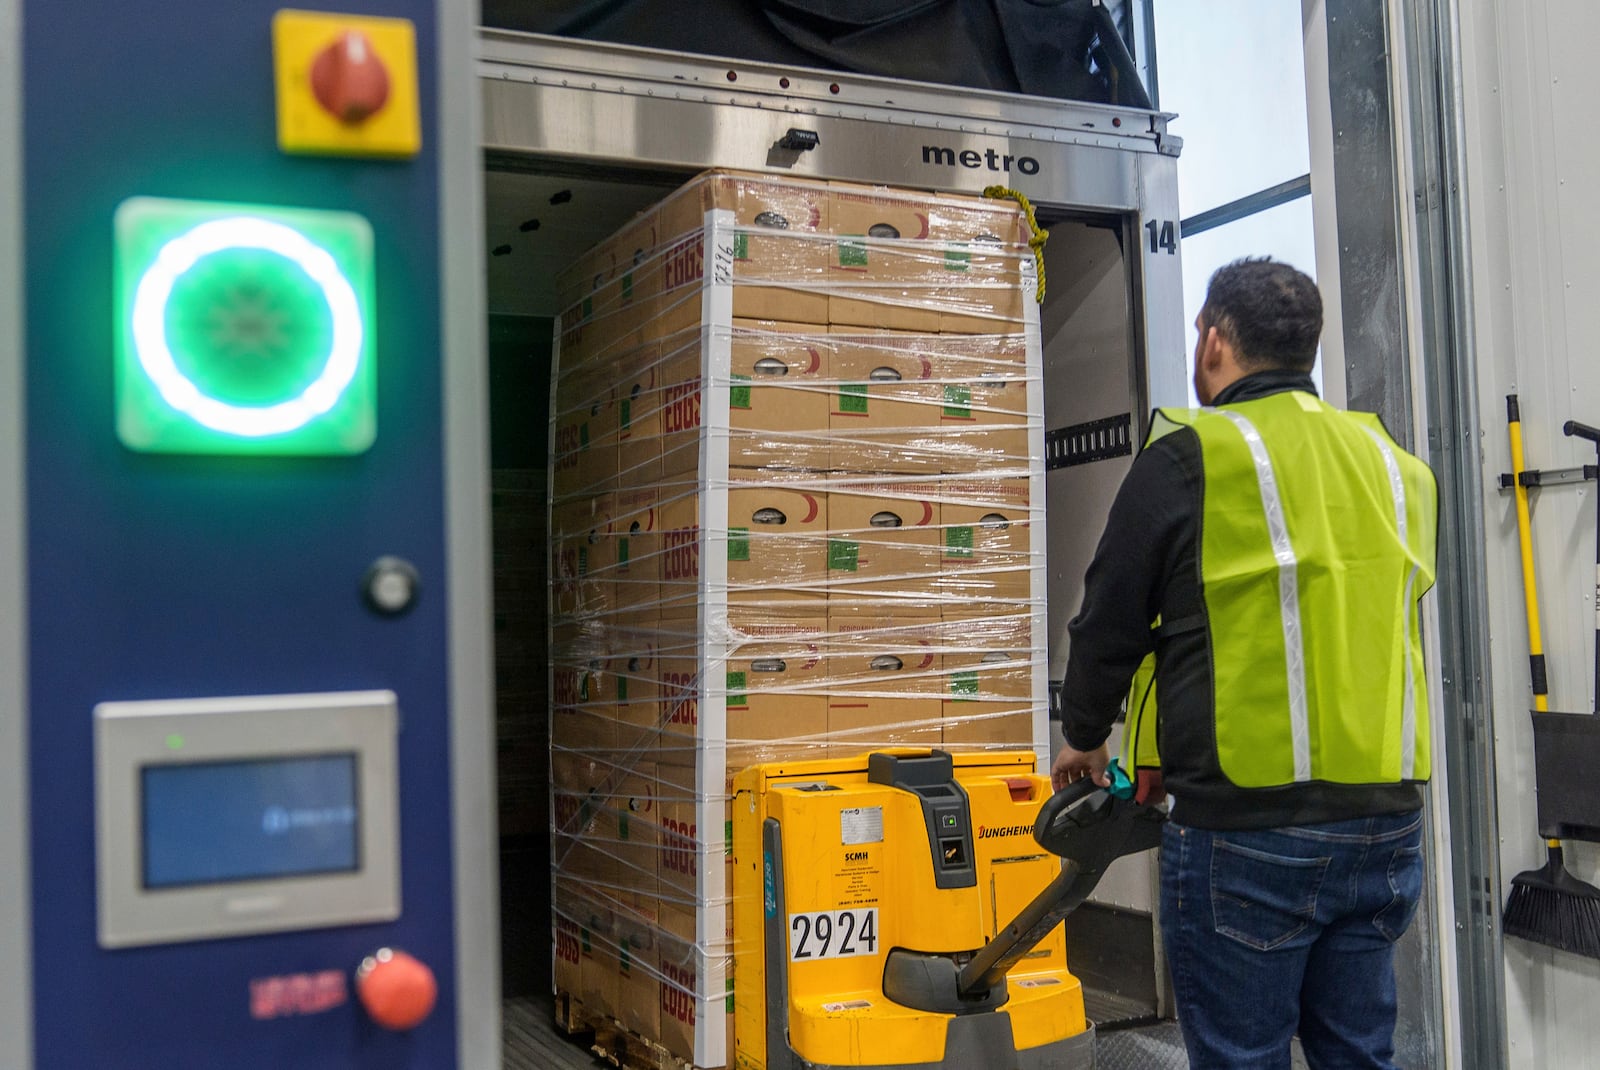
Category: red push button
[396,988]
[348,78]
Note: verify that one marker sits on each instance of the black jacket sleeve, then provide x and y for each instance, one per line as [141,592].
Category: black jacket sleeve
[1153,514]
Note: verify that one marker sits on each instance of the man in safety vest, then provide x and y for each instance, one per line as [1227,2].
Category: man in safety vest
[1269,551]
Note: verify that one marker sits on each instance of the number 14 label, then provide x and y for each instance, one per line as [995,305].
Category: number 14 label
[833,934]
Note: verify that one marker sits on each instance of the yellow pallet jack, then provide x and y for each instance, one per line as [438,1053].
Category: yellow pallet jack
[902,910]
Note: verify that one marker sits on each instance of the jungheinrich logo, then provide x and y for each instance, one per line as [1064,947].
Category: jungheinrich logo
[987,833]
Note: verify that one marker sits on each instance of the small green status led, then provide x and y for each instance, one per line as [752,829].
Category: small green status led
[243,329]
[174,741]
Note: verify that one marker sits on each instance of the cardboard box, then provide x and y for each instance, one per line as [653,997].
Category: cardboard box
[984,243]
[884,549]
[570,942]
[994,308]
[635,684]
[989,700]
[777,700]
[880,234]
[780,242]
[573,283]
[583,555]
[678,512]
[678,692]
[585,435]
[587,731]
[597,320]
[885,684]
[582,923]
[893,306]
[989,697]
[638,924]
[913,261]
[639,397]
[988,546]
[984,405]
[658,410]
[595,326]
[678,980]
[679,404]
[575,288]
[773,419]
[634,807]
[579,667]
[583,834]
[600,972]
[781,394]
[885,408]
[777,548]
[679,867]
[679,965]
[635,551]
[632,258]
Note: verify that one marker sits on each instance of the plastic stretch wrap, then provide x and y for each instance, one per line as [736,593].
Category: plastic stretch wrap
[796,511]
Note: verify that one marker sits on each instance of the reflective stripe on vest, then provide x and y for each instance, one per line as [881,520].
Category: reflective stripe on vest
[1408,717]
[1294,654]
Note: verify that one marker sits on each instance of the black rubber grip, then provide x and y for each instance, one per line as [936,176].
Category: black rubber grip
[1513,410]
[1573,428]
[1541,683]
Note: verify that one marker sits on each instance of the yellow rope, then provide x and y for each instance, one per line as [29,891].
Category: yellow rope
[1040,235]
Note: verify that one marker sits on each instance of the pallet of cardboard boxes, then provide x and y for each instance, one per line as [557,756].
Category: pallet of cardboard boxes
[796,504]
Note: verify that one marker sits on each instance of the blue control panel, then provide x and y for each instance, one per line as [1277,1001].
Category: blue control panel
[173,573]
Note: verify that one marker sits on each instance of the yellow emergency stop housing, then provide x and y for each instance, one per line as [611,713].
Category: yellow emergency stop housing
[895,910]
[304,126]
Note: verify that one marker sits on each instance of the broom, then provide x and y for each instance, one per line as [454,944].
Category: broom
[1547,905]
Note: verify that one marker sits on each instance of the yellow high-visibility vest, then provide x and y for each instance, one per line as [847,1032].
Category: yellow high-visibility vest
[1317,542]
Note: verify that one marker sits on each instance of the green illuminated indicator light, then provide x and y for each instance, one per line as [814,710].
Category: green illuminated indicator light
[220,238]
[174,742]
[244,329]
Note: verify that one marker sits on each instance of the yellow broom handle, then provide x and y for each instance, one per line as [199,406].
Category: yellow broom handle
[1530,589]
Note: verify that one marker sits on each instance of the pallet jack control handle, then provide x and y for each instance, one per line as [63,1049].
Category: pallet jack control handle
[1090,827]
[1060,803]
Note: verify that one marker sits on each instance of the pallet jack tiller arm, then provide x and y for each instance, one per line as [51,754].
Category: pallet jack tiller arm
[1089,827]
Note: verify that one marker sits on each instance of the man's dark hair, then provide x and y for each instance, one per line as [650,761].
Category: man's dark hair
[1271,313]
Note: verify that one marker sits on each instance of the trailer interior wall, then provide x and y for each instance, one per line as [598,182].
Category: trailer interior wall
[1530,79]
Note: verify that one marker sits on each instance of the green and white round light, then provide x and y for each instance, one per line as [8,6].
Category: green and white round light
[219,236]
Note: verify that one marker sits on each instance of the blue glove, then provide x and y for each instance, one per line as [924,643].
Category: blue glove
[1122,786]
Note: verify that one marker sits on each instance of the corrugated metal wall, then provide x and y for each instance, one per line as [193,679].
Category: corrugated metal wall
[1531,78]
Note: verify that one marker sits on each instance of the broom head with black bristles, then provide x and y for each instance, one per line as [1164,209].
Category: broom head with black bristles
[1550,906]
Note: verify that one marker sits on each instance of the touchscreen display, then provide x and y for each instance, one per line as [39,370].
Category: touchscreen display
[213,822]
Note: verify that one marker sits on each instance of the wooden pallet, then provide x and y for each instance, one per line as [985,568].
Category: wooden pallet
[611,1040]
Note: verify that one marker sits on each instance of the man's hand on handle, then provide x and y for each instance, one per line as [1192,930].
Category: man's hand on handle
[1073,765]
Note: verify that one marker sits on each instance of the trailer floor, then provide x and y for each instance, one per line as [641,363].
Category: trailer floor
[532,1042]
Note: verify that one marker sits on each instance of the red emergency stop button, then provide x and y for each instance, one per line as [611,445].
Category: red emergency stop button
[348,78]
[397,989]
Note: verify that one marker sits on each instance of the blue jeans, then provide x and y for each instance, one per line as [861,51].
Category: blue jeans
[1279,931]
